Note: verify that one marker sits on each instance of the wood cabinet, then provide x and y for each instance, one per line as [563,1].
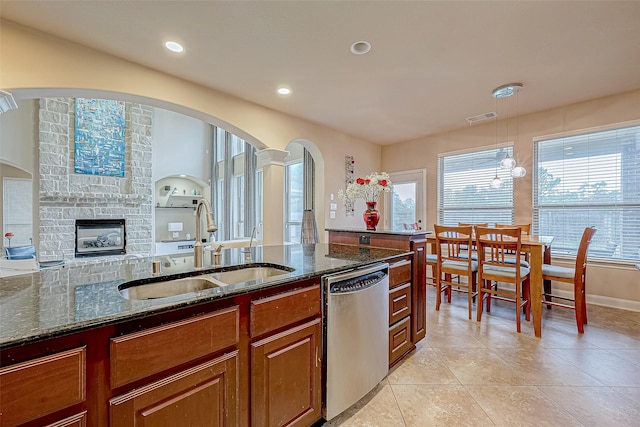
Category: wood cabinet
[286,378]
[204,395]
[286,366]
[250,359]
[42,386]
[407,284]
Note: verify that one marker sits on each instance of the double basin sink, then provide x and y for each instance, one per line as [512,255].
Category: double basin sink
[197,284]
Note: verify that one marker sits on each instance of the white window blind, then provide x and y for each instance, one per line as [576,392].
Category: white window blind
[592,179]
[464,191]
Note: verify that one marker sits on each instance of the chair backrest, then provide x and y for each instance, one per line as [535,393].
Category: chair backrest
[526,228]
[581,255]
[21,252]
[452,241]
[494,243]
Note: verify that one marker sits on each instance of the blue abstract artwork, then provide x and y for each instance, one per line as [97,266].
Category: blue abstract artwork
[99,137]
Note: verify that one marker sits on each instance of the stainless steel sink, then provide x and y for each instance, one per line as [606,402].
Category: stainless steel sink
[168,288]
[241,275]
[197,284]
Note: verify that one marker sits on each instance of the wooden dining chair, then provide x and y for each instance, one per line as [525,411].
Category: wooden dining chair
[575,275]
[493,245]
[453,262]
[525,229]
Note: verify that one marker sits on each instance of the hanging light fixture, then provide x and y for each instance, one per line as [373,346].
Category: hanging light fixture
[506,91]
[496,182]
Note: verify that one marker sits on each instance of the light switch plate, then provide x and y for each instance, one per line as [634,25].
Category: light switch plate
[332,214]
[333,207]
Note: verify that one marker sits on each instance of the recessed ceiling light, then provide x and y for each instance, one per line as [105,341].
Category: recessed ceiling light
[284,90]
[360,48]
[174,47]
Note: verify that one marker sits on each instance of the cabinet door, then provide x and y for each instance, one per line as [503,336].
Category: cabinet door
[203,396]
[285,378]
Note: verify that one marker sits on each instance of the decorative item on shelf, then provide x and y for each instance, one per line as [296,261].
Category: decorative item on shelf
[8,235]
[194,192]
[368,188]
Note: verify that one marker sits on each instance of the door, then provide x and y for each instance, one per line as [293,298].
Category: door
[204,396]
[407,204]
[285,378]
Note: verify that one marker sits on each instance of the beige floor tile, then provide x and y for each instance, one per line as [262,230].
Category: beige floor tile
[610,339]
[438,405]
[540,367]
[595,406]
[631,393]
[603,365]
[451,335]
[480,366]
[422,367]
[378,408]
[632,356]
[520,406]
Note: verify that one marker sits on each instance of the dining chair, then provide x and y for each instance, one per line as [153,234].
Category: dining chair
[493,268]
[474,225]
[525,229]
[453,261]
[575,275]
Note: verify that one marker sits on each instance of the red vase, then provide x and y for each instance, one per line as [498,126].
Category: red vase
[371,216]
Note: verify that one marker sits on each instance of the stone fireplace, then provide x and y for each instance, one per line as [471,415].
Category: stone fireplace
[66,197]
[99,237]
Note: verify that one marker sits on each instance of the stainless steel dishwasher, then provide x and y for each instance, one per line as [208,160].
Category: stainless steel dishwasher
[356,328]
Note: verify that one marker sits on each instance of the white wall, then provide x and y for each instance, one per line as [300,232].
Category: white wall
[607,283]
[181,145]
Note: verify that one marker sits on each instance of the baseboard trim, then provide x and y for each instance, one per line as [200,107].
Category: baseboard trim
[604,301]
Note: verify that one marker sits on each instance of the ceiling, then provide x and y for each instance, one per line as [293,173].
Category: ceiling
[432,63]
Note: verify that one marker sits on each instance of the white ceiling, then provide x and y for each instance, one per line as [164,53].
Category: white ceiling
[433,63]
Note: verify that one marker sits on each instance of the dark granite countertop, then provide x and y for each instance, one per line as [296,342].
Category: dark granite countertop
[62,300]
[393,232]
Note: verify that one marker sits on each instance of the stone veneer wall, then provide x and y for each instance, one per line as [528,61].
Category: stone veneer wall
[66,196]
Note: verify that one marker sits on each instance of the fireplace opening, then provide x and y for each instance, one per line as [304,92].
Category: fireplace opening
[98,237]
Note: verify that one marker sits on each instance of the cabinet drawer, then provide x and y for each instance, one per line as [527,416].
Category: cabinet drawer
[78,420]
[42,386]
[399,273]
[399,339]
[141,354]
[399,303]
[272,313]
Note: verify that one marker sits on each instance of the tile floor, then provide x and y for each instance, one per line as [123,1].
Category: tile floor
[466,373]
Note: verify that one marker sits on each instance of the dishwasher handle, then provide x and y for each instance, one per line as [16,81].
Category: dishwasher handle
[357,284]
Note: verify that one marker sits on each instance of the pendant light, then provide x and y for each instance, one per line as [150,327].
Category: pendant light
[506,91]
[496,182]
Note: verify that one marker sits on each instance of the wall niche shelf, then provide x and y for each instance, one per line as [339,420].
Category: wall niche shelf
[182,201]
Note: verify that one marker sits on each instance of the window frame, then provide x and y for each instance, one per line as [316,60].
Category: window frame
[603,247]
[479,213]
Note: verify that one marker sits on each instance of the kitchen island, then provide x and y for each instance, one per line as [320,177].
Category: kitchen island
[403,336]
[74,351]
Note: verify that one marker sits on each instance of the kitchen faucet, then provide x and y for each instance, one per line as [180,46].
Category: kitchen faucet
[247,251]
[211,227]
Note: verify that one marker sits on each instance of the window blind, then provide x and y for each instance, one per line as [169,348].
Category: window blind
[590,179]
[464,191]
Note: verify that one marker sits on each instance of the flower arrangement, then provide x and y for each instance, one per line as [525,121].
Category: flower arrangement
[367,188]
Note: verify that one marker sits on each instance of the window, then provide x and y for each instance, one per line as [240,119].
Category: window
[294,184]
[589,179]
[17,211]
[237,188]
[464,191]
[407,201]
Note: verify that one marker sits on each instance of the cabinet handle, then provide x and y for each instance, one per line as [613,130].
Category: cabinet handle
[316,357]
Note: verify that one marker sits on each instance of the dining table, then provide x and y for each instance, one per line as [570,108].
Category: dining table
[539,250]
